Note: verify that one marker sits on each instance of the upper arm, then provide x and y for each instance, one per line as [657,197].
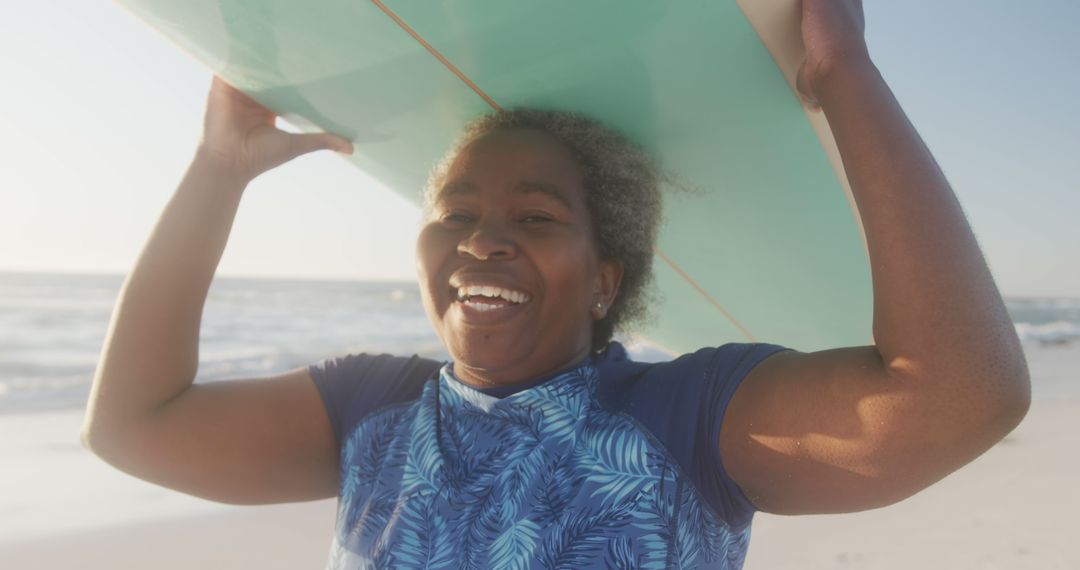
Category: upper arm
[839,431]
[263,440]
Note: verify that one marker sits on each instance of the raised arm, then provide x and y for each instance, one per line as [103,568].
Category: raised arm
[862,427]
[252,441]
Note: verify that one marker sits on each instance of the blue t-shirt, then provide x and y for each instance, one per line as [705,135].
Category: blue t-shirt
[613,463]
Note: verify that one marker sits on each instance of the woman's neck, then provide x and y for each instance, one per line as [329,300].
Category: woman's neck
[483,378]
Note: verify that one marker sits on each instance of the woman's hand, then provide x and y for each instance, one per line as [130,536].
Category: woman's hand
[833,35]
[239,135]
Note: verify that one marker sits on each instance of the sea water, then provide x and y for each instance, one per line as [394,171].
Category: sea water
[52,328]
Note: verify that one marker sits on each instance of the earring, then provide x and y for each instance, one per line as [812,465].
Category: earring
[599,306]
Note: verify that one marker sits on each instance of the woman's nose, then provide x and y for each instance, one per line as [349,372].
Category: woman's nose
[488,241]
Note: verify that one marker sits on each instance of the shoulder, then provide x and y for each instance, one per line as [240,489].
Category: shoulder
[623,380]
[354,368]
[355,385]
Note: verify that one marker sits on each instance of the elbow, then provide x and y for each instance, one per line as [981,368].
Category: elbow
[1015,388]
[87,432]
[996,398]
[113,446]
[997,412]
[103,441]
[84,439]
[93,425]
[92,440]
[1016,401]
[1013,393]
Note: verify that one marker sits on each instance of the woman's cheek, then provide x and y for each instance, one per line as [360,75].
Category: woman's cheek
[428,248]
[429,259]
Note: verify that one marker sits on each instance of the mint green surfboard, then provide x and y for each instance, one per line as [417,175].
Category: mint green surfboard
[766,247]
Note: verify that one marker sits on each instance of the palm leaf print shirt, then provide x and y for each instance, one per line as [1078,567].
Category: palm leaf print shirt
[612,464]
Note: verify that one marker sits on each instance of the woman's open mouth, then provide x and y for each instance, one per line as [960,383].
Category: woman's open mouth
[486,298]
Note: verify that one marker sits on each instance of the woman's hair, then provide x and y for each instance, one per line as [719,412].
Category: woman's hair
[622,195]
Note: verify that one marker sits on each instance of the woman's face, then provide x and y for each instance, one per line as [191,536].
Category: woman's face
[508,269]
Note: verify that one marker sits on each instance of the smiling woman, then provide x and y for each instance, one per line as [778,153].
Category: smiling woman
[535,202]
[490,228]
[541,444]
[621,193]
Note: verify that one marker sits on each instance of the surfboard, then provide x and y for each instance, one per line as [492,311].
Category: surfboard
[765,245]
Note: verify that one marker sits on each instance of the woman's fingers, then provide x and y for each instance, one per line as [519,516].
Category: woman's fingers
[241,131]
[833,34]
[311,142]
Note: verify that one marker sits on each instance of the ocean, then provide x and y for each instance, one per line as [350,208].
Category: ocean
[52,328]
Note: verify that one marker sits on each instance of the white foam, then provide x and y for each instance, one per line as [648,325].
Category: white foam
[1054,332]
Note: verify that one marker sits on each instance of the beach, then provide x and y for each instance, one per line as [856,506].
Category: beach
[61,507]
[1012,508]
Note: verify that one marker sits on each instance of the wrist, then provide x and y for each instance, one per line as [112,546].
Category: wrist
[834,78]
[222,169]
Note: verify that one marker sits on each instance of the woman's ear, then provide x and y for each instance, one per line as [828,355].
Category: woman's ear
[608,279]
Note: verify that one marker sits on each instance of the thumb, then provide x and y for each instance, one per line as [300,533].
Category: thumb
[300,144]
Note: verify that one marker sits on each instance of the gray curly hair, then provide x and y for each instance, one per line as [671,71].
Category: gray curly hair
[622,184]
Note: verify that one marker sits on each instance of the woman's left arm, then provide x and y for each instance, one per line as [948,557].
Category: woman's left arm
[861,427]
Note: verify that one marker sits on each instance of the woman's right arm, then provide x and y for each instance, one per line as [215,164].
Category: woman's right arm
[242,441]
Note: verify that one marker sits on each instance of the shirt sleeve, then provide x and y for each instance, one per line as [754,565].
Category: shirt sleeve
[355,385]
[731,365]
[683,403]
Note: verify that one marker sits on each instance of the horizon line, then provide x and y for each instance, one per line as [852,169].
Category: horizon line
[335,279]
[236,276]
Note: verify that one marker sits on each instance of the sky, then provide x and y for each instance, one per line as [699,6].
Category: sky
[99,116]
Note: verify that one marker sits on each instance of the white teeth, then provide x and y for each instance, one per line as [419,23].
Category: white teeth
[490,291]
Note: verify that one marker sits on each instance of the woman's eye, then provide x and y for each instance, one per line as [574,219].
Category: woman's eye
[456,218]
[536,218]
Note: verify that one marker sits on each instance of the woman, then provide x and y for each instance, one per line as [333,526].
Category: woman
[541,444]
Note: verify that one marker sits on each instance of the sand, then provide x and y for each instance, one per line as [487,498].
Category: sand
[271,537]
[1012,508]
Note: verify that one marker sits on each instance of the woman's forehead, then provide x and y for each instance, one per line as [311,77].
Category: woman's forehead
[531,159]
[519,161]
[520,148]
[524,187]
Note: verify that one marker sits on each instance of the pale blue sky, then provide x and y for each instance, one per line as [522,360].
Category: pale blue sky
[99,117]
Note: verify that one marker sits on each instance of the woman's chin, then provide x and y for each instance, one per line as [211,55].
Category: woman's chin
[491,360]
[489,356]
